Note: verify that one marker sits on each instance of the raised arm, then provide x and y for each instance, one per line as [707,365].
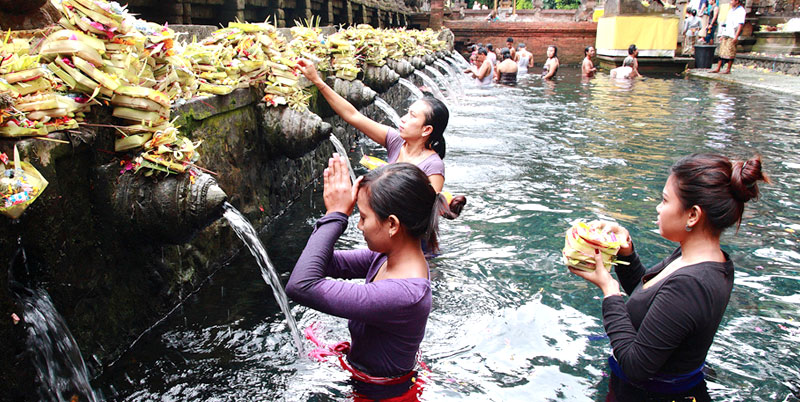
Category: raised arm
[372,129]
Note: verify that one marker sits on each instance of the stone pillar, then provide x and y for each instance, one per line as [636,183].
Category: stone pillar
[187,12]
[280,15]
[349,12]
[309,14]
[437,14]
[380,20]
[330,12]
[364,14]
[240,5]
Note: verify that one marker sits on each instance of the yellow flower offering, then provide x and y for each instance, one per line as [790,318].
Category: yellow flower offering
[581,241]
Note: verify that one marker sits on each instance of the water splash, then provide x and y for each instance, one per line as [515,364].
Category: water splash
[430,83]
[446,67]
[343,152]
[389,110]
[60,369]
[461,60]
[411,87]
[454,87]
[248,234]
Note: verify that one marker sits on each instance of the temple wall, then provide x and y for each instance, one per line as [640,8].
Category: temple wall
[282,13]
[570,37]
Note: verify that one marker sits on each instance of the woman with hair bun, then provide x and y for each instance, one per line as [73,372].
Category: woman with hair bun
[387,314]
[660,337]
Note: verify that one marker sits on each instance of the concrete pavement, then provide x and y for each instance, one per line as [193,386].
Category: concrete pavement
[754,77]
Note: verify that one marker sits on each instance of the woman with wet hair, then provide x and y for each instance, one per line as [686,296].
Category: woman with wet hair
[506,71]
[387,314]
[551,64]
[660,337]
[419,139]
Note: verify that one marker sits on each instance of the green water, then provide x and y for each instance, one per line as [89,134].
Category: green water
[509,322]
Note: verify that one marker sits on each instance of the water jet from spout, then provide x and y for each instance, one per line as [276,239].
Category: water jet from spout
[343,152]
[248,235]
[389,110]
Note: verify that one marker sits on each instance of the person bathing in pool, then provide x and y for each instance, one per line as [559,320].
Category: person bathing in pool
[419,140]
[662,334]
[388,312]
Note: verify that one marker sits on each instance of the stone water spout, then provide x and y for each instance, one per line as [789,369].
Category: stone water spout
[354,91]
[418,62]
[380,78]
[168,210]
[27,14]
[402,67]
[429,59]
[294,132]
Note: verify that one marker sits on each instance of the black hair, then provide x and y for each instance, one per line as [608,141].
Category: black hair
[437,117]
[510,39]
[631,49]
[718,186]
[483,51]
[490,47]
[506,54]
[694,13]
[403,190]
[586,50]
[555,50]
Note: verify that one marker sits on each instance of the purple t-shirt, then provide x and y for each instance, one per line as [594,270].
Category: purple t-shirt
[394,142]
[387,318]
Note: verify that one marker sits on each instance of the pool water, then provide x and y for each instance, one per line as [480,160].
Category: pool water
[509,322]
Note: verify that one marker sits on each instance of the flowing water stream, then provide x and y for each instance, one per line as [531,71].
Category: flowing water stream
[431,84]
[249,236]
[411,87]
[343,152]
[387,108]
[509,322]
[61,373]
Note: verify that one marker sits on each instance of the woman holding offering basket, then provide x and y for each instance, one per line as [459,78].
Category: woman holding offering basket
[660,337]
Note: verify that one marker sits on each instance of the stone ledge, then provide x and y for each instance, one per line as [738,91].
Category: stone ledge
[775,63]
[750,77]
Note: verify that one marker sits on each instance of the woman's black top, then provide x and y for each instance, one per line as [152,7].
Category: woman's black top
[668,328]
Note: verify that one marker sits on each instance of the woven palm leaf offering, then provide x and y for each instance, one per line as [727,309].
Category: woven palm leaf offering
[20,185]
[583,238]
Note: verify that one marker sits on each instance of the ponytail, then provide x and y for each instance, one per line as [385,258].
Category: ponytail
[437,117]
[432,232]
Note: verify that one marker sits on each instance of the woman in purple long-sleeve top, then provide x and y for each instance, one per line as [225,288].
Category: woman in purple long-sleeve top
[661,335]
[387,313]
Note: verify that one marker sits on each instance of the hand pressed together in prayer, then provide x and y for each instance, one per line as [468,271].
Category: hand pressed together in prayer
[339,194]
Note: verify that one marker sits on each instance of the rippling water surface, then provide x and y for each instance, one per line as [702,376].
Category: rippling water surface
[509,322]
